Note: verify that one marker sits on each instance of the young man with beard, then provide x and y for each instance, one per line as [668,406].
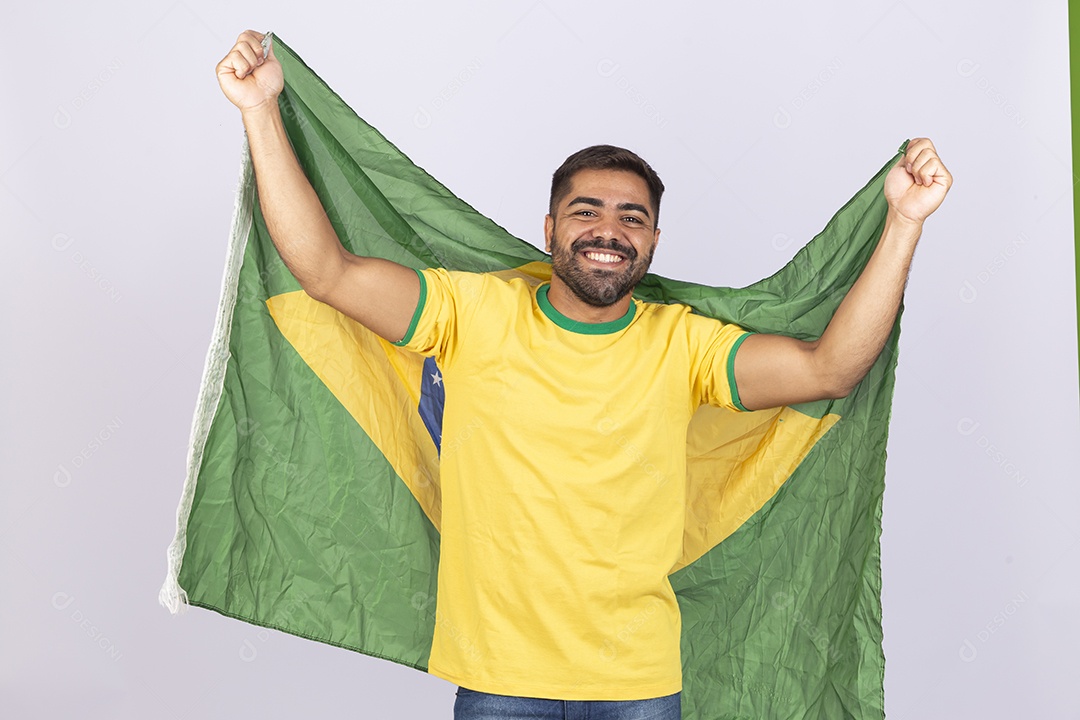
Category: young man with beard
[567,404]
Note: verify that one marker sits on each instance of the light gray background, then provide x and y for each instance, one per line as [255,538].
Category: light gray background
[118,163]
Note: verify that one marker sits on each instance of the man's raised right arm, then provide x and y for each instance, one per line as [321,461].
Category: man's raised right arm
[380,294]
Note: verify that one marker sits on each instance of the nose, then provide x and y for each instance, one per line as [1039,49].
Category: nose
[606,230]
[608,234]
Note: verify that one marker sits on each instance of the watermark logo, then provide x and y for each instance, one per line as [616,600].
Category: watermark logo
[969,291]
[783,116]
[609,69]
[781,242]
[63,601]
[425,116]
[63,476]
[968,427]
[607,426]
[248,651]
[969,651]
[62,243]
[968,69]
[609,649]
[62,118]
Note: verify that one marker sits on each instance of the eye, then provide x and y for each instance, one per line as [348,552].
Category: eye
[585,212]
[633,219]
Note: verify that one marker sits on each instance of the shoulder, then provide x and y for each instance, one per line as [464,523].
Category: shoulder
[465,286]
[678,312]
[669,314]
[680,319]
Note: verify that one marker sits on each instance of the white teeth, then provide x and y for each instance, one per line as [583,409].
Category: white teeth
[603,257]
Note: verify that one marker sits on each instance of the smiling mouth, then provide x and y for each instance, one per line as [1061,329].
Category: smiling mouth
[603,257]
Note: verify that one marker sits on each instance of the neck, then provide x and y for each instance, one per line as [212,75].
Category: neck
[565,301]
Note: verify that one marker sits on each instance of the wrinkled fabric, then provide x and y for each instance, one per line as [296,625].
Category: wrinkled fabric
[300,520]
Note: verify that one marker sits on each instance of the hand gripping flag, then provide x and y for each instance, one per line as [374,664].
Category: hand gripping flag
[312,502]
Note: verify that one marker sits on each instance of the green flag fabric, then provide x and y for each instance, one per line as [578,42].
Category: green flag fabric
[1074,98]
[312,505]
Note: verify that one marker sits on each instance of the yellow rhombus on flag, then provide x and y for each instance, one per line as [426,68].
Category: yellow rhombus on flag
[312,499]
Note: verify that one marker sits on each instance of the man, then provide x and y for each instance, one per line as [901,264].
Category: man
[558,529]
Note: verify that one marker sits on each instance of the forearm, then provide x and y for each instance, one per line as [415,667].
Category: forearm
[294,216]
[774,370]
[861,325]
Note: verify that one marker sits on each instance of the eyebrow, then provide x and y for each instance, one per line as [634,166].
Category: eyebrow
[596,202]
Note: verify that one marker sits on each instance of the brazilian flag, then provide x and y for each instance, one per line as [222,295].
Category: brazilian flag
[312,501]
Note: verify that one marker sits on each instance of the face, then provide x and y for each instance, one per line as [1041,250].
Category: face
[602,235]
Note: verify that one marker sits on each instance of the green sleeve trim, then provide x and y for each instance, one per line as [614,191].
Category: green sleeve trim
[731,372]
[416,313]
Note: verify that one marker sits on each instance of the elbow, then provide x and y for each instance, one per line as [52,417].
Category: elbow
[316,292]
[834,383]
[839,392]
[323,285]
[320,271]
[836,378]
[838,388]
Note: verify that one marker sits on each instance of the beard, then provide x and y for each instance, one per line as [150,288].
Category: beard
[599,287]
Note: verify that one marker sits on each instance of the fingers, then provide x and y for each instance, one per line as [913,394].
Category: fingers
[916,157]
[252,57]
[245,56]
[922,162]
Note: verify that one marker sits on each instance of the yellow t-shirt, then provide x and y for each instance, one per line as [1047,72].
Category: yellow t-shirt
[563,475]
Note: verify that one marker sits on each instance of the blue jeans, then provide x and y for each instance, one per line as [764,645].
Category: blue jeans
[474,705]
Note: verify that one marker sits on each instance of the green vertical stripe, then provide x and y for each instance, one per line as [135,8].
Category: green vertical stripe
[1074,88]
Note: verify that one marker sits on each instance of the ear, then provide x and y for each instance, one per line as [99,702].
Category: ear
[656,238]
[549,228]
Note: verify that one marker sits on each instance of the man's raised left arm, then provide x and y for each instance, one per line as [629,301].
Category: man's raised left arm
[775,370]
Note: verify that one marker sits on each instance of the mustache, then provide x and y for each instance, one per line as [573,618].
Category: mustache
[626,251]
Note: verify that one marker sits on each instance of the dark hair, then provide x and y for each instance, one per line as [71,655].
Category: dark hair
[605,157]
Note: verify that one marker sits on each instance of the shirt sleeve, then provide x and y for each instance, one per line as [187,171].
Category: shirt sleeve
[713,345]
[448,301]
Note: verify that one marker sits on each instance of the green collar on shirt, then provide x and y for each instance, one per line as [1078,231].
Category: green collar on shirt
[576,326]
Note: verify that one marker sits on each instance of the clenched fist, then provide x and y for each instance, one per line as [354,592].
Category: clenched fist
[918,183]
[247,78]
